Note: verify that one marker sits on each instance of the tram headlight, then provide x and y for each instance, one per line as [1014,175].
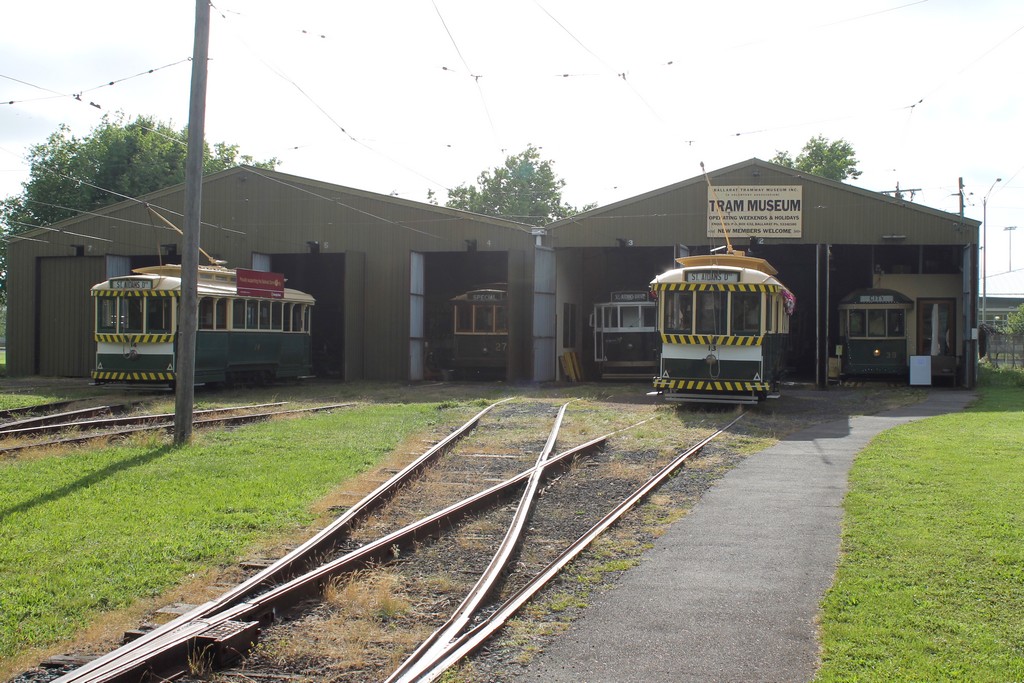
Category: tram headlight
[877,353]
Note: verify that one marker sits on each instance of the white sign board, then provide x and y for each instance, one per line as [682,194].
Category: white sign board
[755,211]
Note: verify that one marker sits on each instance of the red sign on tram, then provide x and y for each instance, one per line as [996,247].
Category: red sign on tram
[259,283]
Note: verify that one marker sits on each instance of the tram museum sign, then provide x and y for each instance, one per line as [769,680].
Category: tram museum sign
[755,211]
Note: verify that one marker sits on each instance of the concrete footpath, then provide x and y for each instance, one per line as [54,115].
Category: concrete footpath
[732,591]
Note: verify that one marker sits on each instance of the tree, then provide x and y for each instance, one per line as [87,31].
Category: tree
[1015,321]
[115,161]
[525,189]
[832,160]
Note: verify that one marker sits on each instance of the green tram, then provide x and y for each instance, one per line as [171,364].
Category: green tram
[251,329]
[480,332]
[724,322]
[873,329]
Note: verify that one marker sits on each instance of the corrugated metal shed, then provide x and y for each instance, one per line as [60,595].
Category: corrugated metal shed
[833,213]
[357,249]
[248,211]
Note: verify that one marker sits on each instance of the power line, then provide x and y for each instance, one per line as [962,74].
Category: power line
[77,95]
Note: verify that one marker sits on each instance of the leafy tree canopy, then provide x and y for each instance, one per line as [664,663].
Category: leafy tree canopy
[525,189]
[832,160]
[1015,321]
[115,161]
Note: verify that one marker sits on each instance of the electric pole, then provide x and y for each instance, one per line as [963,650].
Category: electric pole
[185,369]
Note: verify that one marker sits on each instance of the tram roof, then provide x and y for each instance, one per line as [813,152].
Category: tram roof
[212,281]
[752,270]
[735,259]
[876,296]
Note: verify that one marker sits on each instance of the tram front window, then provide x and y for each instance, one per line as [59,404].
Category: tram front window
[484,321]
[106,314]
[746,313]
[876,323]
[679,312]
[896,327]
[132,314]
[856,323]
[158,315]
[711,312]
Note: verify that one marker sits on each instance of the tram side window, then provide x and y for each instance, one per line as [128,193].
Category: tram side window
[158,315]
[132,320]
[857,323]
[206,313]
[297,318]
[500,319]
[251,315]
[238,314]
[264,315]
[773,310]
[711,312]
[275,315]
[463,318]
[220,314]
[746,313]
[679,312]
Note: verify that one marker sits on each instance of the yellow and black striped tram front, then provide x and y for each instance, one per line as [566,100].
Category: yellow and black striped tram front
[241,336]
[723,321]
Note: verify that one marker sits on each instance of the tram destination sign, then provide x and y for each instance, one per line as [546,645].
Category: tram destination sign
[486,296]
[755,211]
[712,276]
[259,284]
[131,284]
[628,297]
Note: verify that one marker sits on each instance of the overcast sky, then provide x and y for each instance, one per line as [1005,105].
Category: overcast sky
[415,95]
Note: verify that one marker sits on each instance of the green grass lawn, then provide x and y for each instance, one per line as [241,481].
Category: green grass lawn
[95,529]
[930,585]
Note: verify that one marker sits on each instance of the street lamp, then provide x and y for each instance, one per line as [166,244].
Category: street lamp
[1009,248]
[984,250]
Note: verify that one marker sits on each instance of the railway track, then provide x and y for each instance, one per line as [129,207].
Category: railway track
[211,635]
[82,426]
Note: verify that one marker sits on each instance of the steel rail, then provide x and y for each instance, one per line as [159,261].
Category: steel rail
[48,419]
[472,639]
[287,566]
[17,414]
[166,651]
[439,640]
[21,429]
[208,422]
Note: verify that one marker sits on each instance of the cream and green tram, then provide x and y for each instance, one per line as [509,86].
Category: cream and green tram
[723,321]
[245,334]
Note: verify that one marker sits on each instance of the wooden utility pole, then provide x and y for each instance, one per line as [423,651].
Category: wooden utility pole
[188,317]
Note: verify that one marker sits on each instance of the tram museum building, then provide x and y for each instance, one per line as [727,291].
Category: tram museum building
[384,270]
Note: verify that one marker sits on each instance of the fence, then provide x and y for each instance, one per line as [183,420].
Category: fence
[1006,350]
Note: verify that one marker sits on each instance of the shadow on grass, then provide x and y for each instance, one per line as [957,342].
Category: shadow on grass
[86,481]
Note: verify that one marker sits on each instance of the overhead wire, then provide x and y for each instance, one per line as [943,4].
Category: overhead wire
[77,95]
[476,78]
[280,74]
